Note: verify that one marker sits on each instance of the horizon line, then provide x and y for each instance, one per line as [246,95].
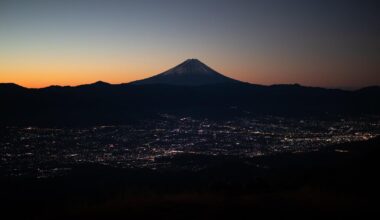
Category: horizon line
[345,88]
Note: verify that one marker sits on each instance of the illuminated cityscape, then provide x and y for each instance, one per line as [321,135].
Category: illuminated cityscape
[44,152]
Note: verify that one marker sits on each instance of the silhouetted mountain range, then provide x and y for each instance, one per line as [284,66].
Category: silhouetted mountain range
[191,88]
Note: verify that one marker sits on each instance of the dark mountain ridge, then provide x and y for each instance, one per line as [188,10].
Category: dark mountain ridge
[104,103]
[125,103]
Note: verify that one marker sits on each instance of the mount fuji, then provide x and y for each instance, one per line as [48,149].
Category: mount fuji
[191,72]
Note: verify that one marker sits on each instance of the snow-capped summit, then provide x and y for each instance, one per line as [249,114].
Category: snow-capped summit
[190,66]
[191,72]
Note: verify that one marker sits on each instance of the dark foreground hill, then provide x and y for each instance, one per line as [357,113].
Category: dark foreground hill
[102,103]
[337,182]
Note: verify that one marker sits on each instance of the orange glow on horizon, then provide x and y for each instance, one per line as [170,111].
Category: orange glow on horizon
[38,74]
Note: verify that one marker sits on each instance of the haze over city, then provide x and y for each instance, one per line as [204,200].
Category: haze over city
[331,44]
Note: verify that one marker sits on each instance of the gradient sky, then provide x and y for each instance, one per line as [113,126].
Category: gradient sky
[328,43]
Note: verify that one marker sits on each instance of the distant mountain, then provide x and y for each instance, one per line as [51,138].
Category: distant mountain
[190,89]
[97,85]
[192,72]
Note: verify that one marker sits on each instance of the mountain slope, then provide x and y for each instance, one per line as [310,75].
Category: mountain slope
[192,72]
